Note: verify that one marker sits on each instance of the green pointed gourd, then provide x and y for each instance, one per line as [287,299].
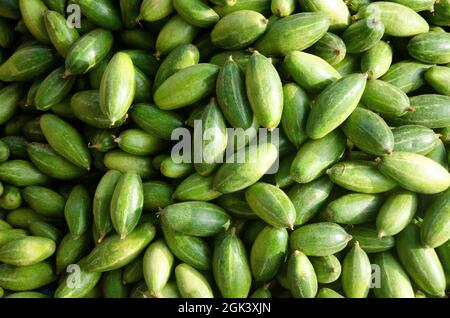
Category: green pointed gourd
[23,278]
[264,90]
[325,292]
[71,249]
[155,10]
[369,241]
[88,51]
[53,90]
[394,282]
[439,154]
[155,121]
[295,113]
[51,163]
[353,208]
[114,252]
[232,96]
[386,99]
[360,176]
[129,10]
[26,294]
[236,176]
[186,87]
[125,214]
[431,110]
[118,87]
[328,268]
[138,142]
[414,138]
[21,218]
[301,277]
[435,227]
[335,10]
[319,239]
[431,47]
[261,293]
[398,20]
[175,32]
[104,13]
[230,266]
[112,285]
[196,12]
[78,283]
[60,34]
[282,8]
[189,249]
[33,12]
[27,63]
[236,205]
[271,204]
[10,96]
[214,140]
[22,173]
[230,6]
[77,210]
[369,132]
[133,272]
[125,162]
[421,263]
[268,253]
[196,188]
[44,201]
[415,172]
[436,76]
[305,29]
[418,5]
[85,106]
[181,57]
[157,266]
[196,218]
[396,213]
[363,34]
[331,48]
[192,283]
[377,60]
[308,198]
[310,71]
[356,273]
[27,251]
[335,104]
[65,140]
[238,30]
[158,195]
[316,156]
[8,235]
[407,75]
